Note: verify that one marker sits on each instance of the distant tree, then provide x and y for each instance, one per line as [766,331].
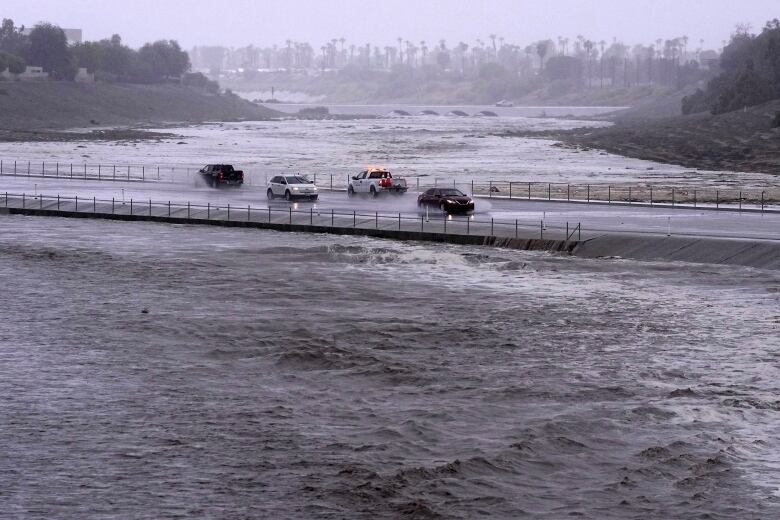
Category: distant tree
[49,49]
[12,62]
[542,48]
[563,68]
[12,38]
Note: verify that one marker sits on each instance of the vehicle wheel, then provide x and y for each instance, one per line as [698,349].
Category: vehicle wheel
[270,194]
[288,196]
[315,197]
[350,191]
[374,192]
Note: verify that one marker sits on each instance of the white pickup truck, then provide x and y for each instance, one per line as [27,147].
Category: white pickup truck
[374,181]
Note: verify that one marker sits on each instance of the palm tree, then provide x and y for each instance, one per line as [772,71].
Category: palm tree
[541,50]
[400,50]
[602,43]
[495,50]
[588,47]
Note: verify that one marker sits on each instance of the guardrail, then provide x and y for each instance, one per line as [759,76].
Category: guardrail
[448,225]
[623,193]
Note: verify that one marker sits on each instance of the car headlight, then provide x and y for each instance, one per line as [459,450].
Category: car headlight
[295,189]
[448,201]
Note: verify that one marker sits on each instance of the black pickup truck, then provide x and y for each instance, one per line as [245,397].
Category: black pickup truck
[216,175]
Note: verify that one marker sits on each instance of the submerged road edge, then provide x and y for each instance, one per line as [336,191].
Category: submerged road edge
[761,254]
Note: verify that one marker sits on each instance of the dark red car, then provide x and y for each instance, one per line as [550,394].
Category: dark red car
[449,200]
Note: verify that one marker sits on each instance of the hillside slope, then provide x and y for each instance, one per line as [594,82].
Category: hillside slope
[57,105]
[743,140]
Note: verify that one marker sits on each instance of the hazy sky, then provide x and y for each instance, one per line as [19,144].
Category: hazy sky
[265,22]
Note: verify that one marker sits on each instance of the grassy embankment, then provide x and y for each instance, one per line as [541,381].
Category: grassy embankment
[34,111]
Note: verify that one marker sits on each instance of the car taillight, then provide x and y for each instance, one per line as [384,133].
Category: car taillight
[385,183]
[221,176]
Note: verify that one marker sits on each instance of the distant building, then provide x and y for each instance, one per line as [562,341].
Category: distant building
[33,74]
[82,76]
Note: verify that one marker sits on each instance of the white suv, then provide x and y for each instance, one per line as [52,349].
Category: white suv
[291,187]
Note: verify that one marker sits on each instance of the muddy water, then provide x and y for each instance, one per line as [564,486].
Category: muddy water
[153,371]
[444,148]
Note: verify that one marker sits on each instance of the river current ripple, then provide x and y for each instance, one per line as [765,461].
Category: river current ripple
[159,371]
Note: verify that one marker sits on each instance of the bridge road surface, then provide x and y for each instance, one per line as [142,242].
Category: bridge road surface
[596,219]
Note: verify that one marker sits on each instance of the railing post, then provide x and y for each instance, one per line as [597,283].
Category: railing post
[228,211]
[131,206]
[672,196]
[762,202]
[332,217]
[515,228]
[311,216]
[717,199]
[694,197]
[143,173]
[208,211]
[40,201]
[651,195]
[491,226]
[290,214]
[269,214]
[94,205]
[568,193]
[354,219]
[399,221]
[579,231]
[57,169]
[740,201]
[629,194]
[85,170]
[609,194]
[150,207]
[472,185]
[468,226]
[23,202]
[529,191]
[445,224]
[588,193]
[188,210]
[98,172]
[541,230]
[567,230]
[112,204]
[248,213]
[549,189]
[58,202]
[28,168]
[510,189]
[14,167]
[376,221]
[128,172]
[169,208]
[422,224]
[77,202]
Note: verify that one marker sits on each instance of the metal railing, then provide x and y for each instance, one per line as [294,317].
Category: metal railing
[766,198]
[290,215]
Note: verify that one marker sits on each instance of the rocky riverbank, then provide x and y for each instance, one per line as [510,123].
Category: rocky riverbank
[743,140]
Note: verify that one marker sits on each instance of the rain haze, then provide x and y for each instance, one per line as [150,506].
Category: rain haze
[243,22]
[402,259]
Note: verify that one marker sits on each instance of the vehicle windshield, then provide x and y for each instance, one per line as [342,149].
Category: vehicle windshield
[226,168]
[452,192]
[297,180]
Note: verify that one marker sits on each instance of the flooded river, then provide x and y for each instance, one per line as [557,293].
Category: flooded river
[442,148]
[161,371]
